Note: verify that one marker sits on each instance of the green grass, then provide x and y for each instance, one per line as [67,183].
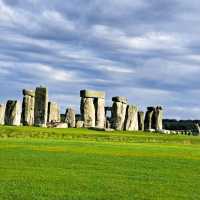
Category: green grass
[81,164]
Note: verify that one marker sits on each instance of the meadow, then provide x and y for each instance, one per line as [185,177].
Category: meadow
[82,164]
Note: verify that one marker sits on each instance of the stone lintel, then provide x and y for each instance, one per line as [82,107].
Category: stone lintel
[92,94]
[120,99]
[28,93]
[151,108]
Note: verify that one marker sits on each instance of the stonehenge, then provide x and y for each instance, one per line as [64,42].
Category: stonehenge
[53,112]
[92,108]
[41,106]
[70,118]
[153,118]
[12,113]
[28,104]
[2,114]
[37,110]
[118,113]
[131,120]
[141,121]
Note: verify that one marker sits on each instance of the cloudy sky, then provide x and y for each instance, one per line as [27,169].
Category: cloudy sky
[147,50]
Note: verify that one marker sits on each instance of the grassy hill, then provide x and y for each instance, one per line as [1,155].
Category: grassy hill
[81,164]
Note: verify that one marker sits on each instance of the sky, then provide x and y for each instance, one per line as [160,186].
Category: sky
[146,50]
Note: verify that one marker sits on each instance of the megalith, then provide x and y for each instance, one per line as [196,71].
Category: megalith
[28,104]
[2,114]
[118,112]
[93,108]
[41,106]
[70,117]
[141,121]
[131,120]
[148,118]
[53,112]
[157,118]
[12,113]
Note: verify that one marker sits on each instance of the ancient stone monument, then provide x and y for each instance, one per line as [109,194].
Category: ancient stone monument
[148,118]
[118,113]
[157,118]
[70,117]
[28,104]
[12,113]
[53,112]
[141,120]
[2,114]
[41,106]
[131,120]
[93,108]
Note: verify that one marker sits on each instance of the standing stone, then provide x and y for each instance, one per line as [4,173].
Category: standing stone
[2,114]
[141,120]
[88,112]
[70,117]
[53,112]
[41,106]
[148,118]
[93,108]
[100,112]
[157,118]
[131,121]
[28,107]
[118,112]
[12,113]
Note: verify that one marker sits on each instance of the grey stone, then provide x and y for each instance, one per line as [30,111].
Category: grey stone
[100,112]
[28,93]
[157,118]
[53,112]
[148,118]
[197,129]
[120,99]
[2,114]
[92,94]
[70,117]
[12,113]
[118,115]
[88,112]
[57,125]
[141,121]
[79,124]
[28,104]
[131,121]
[41,106]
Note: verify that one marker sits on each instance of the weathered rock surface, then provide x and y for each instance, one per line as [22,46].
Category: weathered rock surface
[118,115]
[12,113]
[88,112]
[120,99]
[2,114]
[92,94]
[131,120]
[28,104]
[41,106]
[79,124]
[53,112]
[57,125]
[141,121]
[100,112]
[70,117]
[148,118]
[157,118]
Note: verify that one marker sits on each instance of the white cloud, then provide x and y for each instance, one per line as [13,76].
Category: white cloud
[147,41]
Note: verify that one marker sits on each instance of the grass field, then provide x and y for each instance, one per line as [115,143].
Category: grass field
[80,164]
